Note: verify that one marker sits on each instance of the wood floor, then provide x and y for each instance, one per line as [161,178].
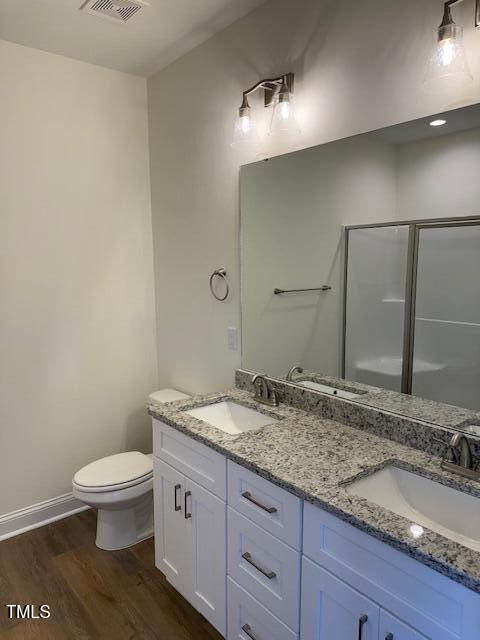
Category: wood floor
[93,594]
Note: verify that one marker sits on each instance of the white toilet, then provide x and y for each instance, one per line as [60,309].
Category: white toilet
[121,488]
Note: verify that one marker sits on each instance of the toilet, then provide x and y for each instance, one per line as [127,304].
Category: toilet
[121,488]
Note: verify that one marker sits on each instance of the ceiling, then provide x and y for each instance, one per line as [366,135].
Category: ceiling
[149,41]
[457,120]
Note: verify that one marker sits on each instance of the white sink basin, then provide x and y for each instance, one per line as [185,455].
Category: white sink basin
[231,417]
[316,386]
[451,513]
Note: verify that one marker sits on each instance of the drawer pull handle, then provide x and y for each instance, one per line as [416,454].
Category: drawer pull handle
[268,574]
[361,623]
[178,507]
[187,495]
[248,630]
[248,496]
[389,636]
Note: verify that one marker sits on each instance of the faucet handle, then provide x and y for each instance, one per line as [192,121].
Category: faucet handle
[450,455]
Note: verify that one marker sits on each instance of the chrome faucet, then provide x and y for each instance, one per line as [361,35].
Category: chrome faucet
[264,392]
[459,458]
[295,369]
[460,442]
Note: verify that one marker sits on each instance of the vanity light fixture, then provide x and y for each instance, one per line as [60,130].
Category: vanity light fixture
[278,92]
[448,58]
[438,123]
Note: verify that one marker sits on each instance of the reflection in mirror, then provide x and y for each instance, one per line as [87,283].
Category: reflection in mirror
[361,263]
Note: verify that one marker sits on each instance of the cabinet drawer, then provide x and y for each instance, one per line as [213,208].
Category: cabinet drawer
[430,603]
[269,506]
[249,620]
[267,568]
[201,464]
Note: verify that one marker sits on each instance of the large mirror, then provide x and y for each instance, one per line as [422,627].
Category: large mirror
[360,264]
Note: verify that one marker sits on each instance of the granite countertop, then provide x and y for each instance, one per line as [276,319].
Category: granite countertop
[313,458]
[430,411]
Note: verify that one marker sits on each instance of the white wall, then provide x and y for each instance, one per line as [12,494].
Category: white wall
[438,178]
[359,67]
[77,344]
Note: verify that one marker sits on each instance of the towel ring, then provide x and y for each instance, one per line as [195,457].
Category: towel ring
[220,273]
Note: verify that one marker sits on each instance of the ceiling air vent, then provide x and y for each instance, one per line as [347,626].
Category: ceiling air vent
[116,10]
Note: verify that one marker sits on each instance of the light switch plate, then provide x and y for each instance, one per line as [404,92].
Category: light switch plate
[232,338]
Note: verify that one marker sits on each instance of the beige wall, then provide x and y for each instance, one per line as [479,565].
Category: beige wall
[359,66]
[293,210]
[77,344]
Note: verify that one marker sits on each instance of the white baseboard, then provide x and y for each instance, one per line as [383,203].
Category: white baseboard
[38,515]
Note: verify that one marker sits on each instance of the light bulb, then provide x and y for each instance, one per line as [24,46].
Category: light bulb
[448,60]
[245,124]
[284,121]
[285,110]
[446,52]
[245,132]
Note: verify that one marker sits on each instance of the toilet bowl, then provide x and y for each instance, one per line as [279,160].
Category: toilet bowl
[120,487]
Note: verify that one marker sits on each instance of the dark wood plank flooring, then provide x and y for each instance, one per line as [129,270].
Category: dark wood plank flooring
[93,594]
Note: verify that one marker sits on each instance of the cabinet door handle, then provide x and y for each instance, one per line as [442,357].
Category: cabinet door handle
[361,623]
[248,630]
[389,636]
[268,574]
[248,496]
[178,507]
[187,495]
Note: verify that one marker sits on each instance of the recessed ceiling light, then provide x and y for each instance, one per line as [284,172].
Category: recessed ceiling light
[438,123]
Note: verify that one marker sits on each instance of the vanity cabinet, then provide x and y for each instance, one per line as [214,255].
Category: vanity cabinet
[264,524]
[172,542]
[190,528]
[412,601]
[230,541]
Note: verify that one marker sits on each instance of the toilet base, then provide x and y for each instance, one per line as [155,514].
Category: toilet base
[125,527]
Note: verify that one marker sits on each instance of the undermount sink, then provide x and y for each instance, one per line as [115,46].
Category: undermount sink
[316,386]
[449,512]
[231,417]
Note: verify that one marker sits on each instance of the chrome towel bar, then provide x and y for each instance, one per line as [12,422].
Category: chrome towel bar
[325,287]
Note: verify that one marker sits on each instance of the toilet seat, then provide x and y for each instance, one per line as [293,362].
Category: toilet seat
[114,473]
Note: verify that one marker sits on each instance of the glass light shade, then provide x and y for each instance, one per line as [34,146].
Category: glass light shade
[245,132]
[284,121]
[449,60]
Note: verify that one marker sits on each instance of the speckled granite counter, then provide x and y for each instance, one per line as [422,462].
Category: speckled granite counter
[314,457]
[414,407]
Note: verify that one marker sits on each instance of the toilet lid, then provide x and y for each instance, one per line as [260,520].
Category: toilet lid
[167,395]
[115,470]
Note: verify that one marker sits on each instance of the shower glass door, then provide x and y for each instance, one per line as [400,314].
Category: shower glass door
[446,322]
[376,282]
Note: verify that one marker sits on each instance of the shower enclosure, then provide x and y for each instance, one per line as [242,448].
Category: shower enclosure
[412,308]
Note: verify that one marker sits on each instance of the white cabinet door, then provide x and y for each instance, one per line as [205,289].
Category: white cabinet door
[205,520]
[392,629]
[172,537]
[331,610]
